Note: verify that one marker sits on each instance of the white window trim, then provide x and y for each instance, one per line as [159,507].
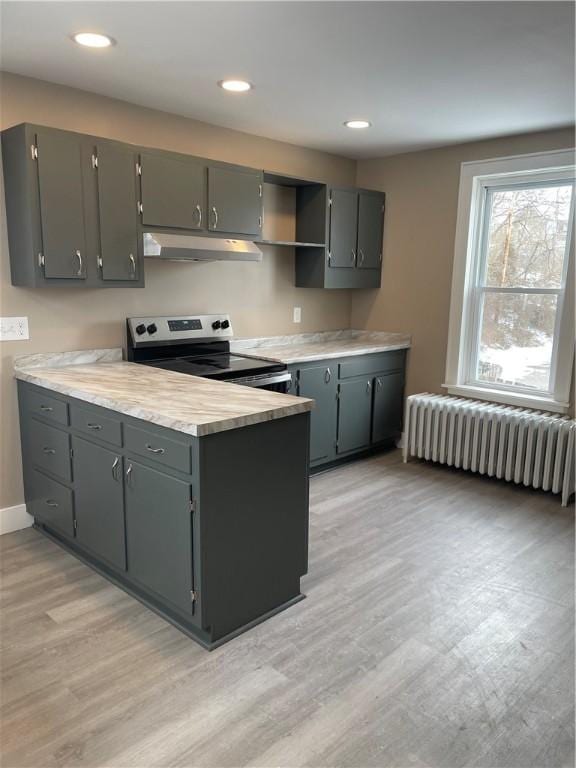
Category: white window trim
[473,178]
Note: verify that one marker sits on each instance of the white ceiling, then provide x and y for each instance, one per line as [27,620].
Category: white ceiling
[425,73]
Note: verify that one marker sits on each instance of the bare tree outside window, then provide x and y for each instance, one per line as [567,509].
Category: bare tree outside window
[525,251]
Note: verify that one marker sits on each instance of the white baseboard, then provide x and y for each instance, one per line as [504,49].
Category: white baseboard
[14,519]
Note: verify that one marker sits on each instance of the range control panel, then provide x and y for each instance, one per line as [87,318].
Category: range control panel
[179,328]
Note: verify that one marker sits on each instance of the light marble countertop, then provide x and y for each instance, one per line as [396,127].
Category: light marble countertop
[188,404]
[304,347]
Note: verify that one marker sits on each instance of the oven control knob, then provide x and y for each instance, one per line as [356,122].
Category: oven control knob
[225,324]
[216,324]
[140,329]
[152,328]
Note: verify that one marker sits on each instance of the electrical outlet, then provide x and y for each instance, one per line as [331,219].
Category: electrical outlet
[14,329]
[297,317]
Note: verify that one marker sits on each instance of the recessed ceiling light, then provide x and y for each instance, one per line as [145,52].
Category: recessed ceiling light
[357,124]
[92,39]
[236,86]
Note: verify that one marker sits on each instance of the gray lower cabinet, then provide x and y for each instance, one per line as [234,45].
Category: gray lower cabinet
[320,383]
[234,200]
[159,531]
[173,191]
[147,507]
[98,479]
[358,403]
[50,502]
[388,406]
[117,211]
[354,415]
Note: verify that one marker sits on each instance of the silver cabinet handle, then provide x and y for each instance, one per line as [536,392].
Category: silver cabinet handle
[199,212]
[368,387]
[49,450]
[46,408]
[51,503]
[215,212]
[80,264]
[114,468]
[132,263]
[361,257]
[353,255]
[94,426]
[128,473]
[327,375]
[154,450]
[378,383]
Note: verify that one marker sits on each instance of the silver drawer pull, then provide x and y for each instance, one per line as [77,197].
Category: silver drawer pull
[327,375]
[128,473]
[368,387]
[199,212]
[154,450]
[94,426]
[80,265]
[215,212]
[361,254]
[114,467]
[51,503]
[353,255]
[379,383]
[132,264]
[46,408]
[48,450]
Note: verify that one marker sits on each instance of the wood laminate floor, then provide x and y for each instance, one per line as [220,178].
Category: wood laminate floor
[438,631]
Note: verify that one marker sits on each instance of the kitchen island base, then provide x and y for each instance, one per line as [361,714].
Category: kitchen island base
[210,532]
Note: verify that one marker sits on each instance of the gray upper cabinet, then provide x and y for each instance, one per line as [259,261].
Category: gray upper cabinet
[98,480]
[235,200]
[60,186]
[320,383]
[370,223]
[159,520]
[354,415]
[173,189]
[343,228]
[117,210]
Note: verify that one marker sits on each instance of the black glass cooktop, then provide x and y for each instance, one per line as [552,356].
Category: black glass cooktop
[218,366]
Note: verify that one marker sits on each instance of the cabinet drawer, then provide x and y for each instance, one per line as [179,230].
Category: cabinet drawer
[369,364]
[164,450]
[40,404]
[91,423]
[50,449]
[51,503]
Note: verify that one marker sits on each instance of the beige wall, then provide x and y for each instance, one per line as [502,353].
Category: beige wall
[260,297]
[421,204]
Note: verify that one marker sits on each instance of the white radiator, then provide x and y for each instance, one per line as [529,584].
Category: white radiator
[516,444]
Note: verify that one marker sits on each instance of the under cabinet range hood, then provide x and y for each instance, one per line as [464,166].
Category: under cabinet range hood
[172,247]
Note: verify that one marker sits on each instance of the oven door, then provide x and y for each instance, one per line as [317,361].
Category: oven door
[275,382]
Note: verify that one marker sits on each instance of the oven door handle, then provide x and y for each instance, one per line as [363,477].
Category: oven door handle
[264,380]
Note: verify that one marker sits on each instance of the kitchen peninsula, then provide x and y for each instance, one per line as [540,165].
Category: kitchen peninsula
[191,495]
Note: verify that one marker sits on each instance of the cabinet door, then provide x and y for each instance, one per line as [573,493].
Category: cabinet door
[387,412]
[173,191]
[61,205]
[98,482]
[320,384]
[343,227]
[159,533]
[234,201]
[370,224]
[118,215]
[354,415]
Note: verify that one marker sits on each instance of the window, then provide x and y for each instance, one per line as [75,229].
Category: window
[511,321]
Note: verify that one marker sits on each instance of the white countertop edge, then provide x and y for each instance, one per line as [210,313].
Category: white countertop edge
[195,430]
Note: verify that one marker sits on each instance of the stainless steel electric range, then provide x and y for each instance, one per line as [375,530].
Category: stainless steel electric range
[200,346]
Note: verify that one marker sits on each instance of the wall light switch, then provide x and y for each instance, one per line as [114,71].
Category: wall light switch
[297,315]
[14,329]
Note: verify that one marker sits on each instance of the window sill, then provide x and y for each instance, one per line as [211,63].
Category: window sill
[507,398]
